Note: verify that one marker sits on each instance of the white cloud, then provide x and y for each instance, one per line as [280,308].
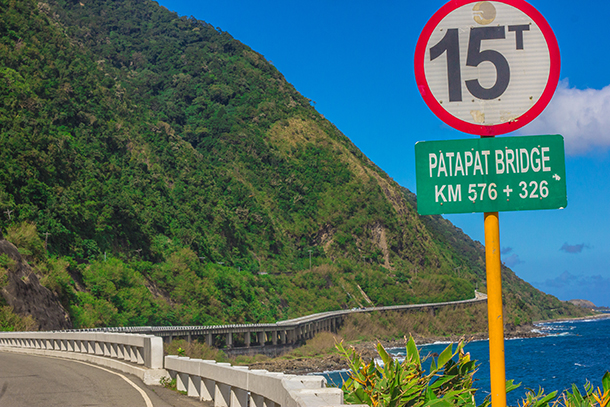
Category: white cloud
[582,117]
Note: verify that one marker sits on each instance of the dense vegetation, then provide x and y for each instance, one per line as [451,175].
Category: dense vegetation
[157,171]
[445,381]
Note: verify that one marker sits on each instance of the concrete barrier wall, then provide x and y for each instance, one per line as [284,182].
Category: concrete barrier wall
[225,385]
[238,386]
[144,350]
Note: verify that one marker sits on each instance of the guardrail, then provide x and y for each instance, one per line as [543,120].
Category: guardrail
[141,355]
[225,385]
[146,350]
[238,386]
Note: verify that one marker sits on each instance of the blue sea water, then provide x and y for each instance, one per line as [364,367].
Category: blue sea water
[571,352]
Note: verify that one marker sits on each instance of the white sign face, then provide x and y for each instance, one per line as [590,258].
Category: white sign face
[487,67]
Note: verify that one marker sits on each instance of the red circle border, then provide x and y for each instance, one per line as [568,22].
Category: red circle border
[502,128]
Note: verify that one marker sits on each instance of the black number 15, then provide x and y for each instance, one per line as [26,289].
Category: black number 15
[451,44]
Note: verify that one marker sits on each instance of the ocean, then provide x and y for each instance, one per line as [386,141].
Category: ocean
[571,352]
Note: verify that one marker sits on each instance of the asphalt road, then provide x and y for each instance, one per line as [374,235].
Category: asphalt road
[27,380]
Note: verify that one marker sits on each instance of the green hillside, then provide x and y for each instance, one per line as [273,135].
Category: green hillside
[156,171]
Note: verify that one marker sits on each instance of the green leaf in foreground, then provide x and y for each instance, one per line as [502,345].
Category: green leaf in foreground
[448,383]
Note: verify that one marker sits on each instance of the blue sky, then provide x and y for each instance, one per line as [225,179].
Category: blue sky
[355,60]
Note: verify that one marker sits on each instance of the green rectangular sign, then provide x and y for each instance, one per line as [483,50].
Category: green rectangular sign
[491,174]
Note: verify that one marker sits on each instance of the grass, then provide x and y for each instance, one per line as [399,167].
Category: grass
[321,344]
[194,350]
[394,325]
[9,321]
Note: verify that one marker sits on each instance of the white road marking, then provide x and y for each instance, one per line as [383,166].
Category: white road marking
[135,386]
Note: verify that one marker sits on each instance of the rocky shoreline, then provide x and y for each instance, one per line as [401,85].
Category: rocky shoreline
[368,350]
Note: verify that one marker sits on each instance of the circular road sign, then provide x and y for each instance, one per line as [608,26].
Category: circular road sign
[487,67]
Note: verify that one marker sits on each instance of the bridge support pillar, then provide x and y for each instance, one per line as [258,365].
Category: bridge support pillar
[261,338]
[274,337]
[209,340]
[283,337]
[229,340]
[247,339]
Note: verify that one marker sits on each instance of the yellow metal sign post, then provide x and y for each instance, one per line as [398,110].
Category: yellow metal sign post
[449,181]
[494,310]
[467,55]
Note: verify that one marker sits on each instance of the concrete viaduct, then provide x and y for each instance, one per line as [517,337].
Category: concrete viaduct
[251,338]
[139,351]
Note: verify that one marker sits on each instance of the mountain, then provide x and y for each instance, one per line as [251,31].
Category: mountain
[154,170]
[583,303]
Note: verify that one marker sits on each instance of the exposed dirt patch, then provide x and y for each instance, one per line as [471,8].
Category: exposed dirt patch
[27,296]
[380,239]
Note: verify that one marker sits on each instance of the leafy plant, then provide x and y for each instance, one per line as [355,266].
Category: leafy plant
[446,383]
[591,397]
[538,399]
[168,383]
[407,383]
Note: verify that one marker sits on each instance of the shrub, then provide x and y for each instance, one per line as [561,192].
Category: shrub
[408,384]
[194,350]
[447,383]
[9,321]
[591,397]
[25,237]
[321,344]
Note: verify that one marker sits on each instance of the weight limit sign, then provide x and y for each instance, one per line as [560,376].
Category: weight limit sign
[487,67]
